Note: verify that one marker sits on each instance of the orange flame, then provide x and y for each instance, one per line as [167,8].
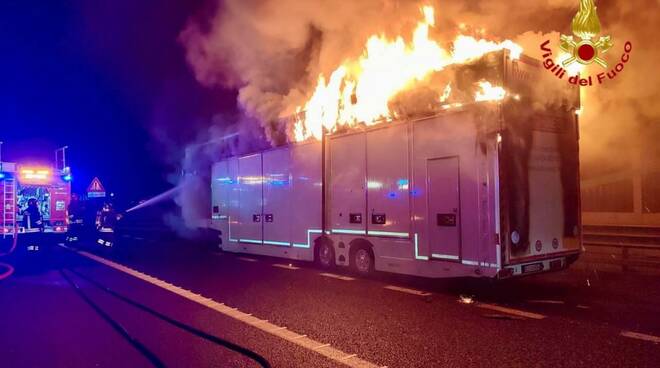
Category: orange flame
[488,92]
[358,91]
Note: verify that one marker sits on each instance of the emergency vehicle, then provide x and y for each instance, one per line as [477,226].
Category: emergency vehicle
[485,189]
[51,187]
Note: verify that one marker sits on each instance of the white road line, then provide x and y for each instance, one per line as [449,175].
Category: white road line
[246,259]
[515,312]
[641,336]
[543,301]
[287,267]
[338,277]
[406,290]
[281,332]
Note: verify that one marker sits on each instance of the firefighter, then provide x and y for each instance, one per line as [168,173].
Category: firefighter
[106,221]
[76,212]
[33,224]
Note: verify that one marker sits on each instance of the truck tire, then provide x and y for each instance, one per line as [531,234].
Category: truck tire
[362,260]
[325,254]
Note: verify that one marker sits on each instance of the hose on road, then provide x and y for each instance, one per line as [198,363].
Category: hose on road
[115,325]
[192,330]
[8,272]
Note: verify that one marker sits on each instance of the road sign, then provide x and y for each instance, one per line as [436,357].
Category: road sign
[95,189]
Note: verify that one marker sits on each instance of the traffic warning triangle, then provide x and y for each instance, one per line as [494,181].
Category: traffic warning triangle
[95,186]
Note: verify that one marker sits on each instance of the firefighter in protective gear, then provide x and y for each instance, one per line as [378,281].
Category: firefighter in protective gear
[106,221]
[75,212]
[33,224]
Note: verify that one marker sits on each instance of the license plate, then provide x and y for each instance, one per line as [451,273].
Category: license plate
[534,267]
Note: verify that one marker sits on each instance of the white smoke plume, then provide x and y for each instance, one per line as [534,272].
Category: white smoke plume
[272,52]
[226,136]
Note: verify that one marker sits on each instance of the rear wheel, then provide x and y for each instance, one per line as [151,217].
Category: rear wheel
[363,261]
[325,255]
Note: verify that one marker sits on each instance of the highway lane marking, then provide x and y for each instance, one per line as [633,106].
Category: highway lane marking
[408,291]
[641,336]
[515,312]
[246,259]
[335,276]
[339,356]
[285,266]
[544,301]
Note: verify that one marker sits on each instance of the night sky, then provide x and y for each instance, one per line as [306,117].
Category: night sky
[108,79]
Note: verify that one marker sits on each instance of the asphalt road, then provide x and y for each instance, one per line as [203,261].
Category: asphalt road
[315,318]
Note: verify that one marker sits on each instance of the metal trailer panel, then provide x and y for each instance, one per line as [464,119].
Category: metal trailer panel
[445,137]
[444,219]
[306,196]
[390,158]
[250,179]
[546,209]
[346,202]
[233,213]
[225,204]
[388,199]
[539,167]
[276,197]
[219,189]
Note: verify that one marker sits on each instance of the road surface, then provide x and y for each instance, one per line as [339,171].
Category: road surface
[296,315]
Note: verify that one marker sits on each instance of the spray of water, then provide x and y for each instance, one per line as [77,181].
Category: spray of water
[170,193]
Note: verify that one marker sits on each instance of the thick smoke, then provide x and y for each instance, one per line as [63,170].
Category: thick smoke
[226,136]
[272,52]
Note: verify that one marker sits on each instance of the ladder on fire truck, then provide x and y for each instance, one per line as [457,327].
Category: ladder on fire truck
[8,205]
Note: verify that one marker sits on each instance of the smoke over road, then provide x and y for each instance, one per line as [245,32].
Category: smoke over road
[273,51]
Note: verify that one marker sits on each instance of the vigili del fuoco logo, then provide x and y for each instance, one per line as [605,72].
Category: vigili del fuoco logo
[585,47]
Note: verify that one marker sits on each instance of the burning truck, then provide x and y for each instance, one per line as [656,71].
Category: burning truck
[467,165]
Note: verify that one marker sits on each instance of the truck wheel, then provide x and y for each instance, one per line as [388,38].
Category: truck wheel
[363,261]
[325,255]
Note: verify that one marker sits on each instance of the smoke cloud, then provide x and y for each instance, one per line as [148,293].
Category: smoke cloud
[272,52]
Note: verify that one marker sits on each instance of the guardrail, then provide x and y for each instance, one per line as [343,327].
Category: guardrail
[625,256]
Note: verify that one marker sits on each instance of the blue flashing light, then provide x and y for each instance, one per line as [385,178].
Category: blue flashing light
[402,182]
[2,176]
[391,195]
[67,177]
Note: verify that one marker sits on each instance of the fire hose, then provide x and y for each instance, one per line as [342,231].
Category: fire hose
[252,355]
[9,268]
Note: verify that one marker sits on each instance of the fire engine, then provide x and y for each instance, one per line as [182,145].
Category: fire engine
[49,186]
[482,189]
